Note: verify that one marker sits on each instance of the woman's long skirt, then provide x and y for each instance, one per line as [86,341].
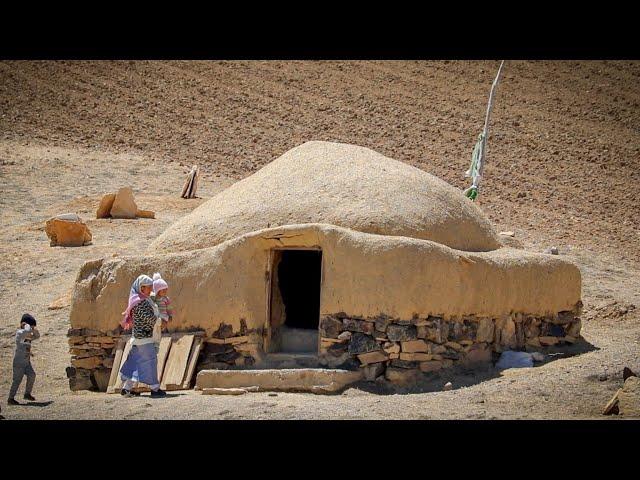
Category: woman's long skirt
[141,365]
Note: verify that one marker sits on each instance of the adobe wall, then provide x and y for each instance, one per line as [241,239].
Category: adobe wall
[222,290]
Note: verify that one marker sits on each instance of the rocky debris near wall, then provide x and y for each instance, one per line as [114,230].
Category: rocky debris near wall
[67,230]
[393,347]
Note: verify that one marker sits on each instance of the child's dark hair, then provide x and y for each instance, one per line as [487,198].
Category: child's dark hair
[26,318]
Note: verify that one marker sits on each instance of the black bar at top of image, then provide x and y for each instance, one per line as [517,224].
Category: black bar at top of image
[338,40]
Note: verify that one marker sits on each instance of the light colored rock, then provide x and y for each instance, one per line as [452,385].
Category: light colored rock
[345,336]
[507,234]
[431,366]
[402,376]
[124,205]
[236,340]
[84,346]
[89,363]
[508,333]
[448,386]
[67,230]
[328,342]
[104,209]
[629,398]
[61,302]
[145,214]
[415,346]
[81,353]
[373,357]
[392,347]
[415,357]
[486,329]
[315,380]
[102,339]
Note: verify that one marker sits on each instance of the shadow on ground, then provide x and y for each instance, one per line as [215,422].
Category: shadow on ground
[35,404]
[461,377]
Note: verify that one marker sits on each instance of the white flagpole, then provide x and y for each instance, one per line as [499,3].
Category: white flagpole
[476,181]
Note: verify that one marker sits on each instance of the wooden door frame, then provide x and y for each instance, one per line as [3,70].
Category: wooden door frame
[269,280]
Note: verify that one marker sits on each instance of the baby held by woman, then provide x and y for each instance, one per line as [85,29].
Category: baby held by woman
[162,300]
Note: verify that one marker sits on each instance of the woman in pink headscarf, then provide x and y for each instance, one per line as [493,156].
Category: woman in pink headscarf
[141,316]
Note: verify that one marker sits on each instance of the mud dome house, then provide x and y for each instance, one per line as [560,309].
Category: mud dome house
[336,256]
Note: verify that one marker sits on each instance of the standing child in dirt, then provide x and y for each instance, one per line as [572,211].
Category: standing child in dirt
[160,289]
[22,358]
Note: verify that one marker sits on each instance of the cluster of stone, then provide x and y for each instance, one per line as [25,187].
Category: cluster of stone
[226,349]
[92,356]
[402,350]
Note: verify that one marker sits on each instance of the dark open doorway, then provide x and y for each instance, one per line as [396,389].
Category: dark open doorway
[295,300]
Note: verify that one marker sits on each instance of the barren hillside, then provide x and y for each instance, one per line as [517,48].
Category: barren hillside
[565,136]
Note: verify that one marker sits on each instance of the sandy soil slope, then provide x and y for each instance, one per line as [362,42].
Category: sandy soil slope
[563,169]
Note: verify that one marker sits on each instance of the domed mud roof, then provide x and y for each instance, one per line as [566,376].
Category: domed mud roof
[340,184]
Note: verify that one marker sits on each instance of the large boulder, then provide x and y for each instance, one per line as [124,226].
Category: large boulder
[124,205]
[67,230]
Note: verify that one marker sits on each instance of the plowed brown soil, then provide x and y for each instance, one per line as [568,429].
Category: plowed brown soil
[563,170]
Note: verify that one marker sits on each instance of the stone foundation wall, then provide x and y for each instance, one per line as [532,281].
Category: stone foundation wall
[228,349]
[93,352]
[401,349]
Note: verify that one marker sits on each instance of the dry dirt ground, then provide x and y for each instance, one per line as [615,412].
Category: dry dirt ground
[563,170]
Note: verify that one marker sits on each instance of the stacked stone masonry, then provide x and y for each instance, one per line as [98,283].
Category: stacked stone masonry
[93,353]
[402,349]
